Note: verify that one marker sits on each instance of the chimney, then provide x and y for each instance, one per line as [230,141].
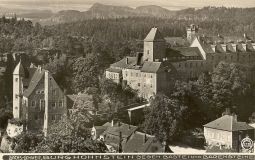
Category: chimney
[112,123]
[127,60]
[226,112]
[244,45]
[244,35]
[234,46]
[213,46]
[39,68]
[224,47]
[234,117]
[253,45]
[145,138]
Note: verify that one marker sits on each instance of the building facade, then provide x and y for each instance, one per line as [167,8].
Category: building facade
[149,72]
[157,67]
[227,132]
[37,99]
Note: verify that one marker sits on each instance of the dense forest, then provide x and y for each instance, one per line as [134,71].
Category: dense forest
[88,47]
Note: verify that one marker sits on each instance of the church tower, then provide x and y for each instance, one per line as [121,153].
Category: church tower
[18,75]
[192,31]
[154,46]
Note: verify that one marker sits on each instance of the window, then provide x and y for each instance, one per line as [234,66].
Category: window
[42,91]
[148,52]
[144,74]
[61,103]
[53,118]
[151,76]
[138,84]
[151,85]
[53,104]
[54,92]
[16,79]
[33,103]
[42,104]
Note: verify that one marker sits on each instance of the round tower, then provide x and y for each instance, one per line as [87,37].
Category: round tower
[18,75]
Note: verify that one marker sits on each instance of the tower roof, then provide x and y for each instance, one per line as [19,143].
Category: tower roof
[19,69]
[154,35]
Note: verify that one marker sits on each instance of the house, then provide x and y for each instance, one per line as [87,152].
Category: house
[122,137]
[37,99]
[227,132]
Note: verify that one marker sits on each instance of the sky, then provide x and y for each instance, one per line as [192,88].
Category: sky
[83,5]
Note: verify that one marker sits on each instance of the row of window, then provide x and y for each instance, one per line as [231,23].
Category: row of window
[218,136]
[55,117]
[113,76]
[191,64]
[41,104]
[139,75]
[139,84]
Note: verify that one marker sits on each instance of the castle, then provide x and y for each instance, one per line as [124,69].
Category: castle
[156,69]
[38,101]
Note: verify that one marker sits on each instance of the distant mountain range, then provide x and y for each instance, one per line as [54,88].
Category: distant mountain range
[102,11]
[96,11]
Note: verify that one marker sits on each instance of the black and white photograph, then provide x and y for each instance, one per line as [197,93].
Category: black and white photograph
[133,79]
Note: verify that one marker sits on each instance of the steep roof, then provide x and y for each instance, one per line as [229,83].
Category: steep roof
[186,51]
[154,35]
[19,69]
[125,129]
[150,67]
[177,41]
[123,62]
[114,70]
[228,123]
[37,76]
[136,143]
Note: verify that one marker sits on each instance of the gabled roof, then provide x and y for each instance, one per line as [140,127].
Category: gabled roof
[177,41]
[154,35]
[115,70]
[228,123]
[125,129]
[137,144]
[122,63]
[186,51]
[150,67]
[38,75]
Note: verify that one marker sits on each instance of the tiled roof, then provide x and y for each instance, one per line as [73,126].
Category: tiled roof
[122,63]
[177,41]
[228,123]
[136,143]
[150,67]
[186,51]
[114,70]
[38,75]
[125,129]
[154,35]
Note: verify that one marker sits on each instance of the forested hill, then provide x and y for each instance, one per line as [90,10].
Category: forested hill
[101,11]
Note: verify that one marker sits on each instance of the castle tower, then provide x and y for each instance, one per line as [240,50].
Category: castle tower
[18,75]
[154,46]
[192,30]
